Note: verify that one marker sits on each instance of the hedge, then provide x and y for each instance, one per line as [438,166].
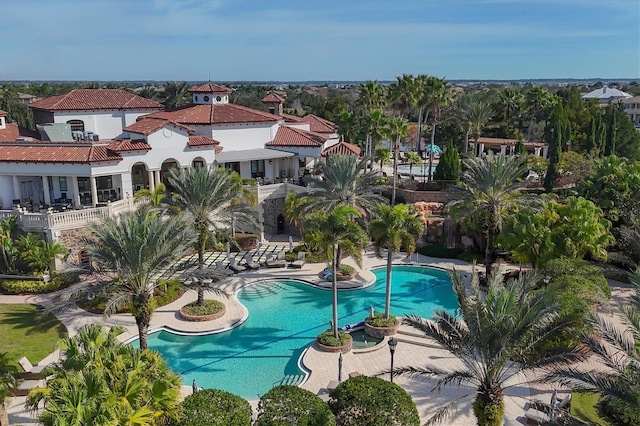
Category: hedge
[438,250]
[327,338]
[213,407]
[379,320]
[209,307]
[291,405]
[57,281]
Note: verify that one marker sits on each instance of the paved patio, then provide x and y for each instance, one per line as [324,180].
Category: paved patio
[323,366]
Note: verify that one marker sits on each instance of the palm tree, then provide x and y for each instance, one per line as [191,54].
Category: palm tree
[496,336]
[148,92]
[374,124]
[175,94]
[337,233]
[213,199]
[477,112]
[422,102]
[156,197]
[510,103]
[493,189]
[42,255]
[394,228]
[372,96]
[437,94]
[346,125]
[8,249]
[412,158]
[402,93]
[396,130]
[536,100]
[8,382]
[127,253]
[381,156]
[344,179]
[101,381]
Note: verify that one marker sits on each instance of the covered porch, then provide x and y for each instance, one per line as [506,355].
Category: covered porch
[267,166]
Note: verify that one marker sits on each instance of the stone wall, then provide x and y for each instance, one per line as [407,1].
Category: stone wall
[272,207]
[410,196]
[73,239]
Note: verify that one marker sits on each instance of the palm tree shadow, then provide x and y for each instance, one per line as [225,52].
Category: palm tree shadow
[33,322]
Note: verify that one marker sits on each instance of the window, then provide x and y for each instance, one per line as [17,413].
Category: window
[196,98]
[218,98]
[76,125]
[104,182]
[206,99]
[83,258]
[63,183]
[198,164]
[257,168]
[272,110]
[233,166]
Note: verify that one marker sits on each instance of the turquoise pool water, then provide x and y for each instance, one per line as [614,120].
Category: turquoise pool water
[284,318]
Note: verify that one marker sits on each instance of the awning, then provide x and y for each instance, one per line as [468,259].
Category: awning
[251,154]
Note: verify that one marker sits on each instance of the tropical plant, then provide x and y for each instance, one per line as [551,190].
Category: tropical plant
[374,124]
[127,252]
[573,229]
[510,104]
[396,130]
[149,92]
[412,158]
[337,232]
[560,131]
[176,94]
[536,100]
[394,228]
[381,156]
[371,401]
[372,96]
[477,112]
[8,249]
[213,200]
[40,255]
[8,381]
[344,179]
[449,167]
[346,125]
[495,337]
[155,197]
[493,189]
[287,404]
[214,407]
[437,95]
[101,381]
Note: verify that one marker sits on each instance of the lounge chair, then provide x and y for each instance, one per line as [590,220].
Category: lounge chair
[299,262]
[537,417]
[223,268]
[277,262]
[326,274]
[30,372]
[252,263]
[233,265]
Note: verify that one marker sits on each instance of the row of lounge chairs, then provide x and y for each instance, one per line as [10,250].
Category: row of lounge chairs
[273,261]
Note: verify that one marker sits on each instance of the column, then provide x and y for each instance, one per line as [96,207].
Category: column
[45,188]
[16,189]
[503,149]
[545,152]
[537,151]
[94,191]
[480,149]
[76,192]
[512,149]
[157,177]
[152,185]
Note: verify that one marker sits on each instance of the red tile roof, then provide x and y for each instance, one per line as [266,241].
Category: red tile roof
[210,88]
[199,140]
[289,136]
[147,125]
[502,141]
[342,148]
[57,152]
[273,98]
[319,125]
[216,114]
[291,118]
[13,131]
[95,99]
[128,145]
[3,113]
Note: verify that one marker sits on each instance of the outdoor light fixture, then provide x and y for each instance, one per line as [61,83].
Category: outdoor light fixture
[392,348]
[546,280]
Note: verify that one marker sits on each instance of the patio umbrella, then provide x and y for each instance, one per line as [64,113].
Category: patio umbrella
[194,386]
[290,243]
[436,149]
[340,368]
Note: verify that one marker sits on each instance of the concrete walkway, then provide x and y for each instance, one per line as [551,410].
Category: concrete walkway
[323,366]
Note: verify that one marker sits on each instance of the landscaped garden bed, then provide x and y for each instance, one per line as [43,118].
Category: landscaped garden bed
[379,326]
[327,342]
[209,310]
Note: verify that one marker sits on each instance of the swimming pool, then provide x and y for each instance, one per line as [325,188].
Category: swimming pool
[284,318]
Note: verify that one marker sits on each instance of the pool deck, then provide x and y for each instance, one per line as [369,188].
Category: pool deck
[323,366]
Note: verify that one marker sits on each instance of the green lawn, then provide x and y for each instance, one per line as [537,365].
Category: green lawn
[23,334]
[583,406]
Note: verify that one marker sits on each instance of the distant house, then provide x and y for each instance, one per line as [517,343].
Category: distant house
[632,109]
[606,94]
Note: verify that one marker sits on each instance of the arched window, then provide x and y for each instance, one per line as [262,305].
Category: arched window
[76,125]
[198,163]
[83,258]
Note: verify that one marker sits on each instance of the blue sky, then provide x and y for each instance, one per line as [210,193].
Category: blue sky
[294,40]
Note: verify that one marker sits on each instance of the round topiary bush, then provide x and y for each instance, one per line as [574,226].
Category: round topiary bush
[284,405]
[328,343]
[370,401]
[209,310]
[213,407]
[379,326]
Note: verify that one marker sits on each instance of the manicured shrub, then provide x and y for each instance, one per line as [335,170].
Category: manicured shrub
[621,414]
[347,270]
[207,308]
[328,339]
[30,286]
[168,291]
[379,320]
[438,250]
[370,401]
[291,405]
[213,407]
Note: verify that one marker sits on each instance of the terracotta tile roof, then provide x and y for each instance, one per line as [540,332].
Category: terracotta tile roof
[147,125]
[199,140]
[291,118]
[216,114]
[57,152]
[127,145]
[342,148]
[273,98]
[13,131]
[319,125]
[210,88]
[288,136]
[95,99]
[502,141]
[3,113]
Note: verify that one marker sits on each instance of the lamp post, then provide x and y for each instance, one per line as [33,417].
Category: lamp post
[392,348]
[546,280]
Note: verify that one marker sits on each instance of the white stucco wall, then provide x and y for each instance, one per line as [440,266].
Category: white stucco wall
[107,124]
[6,192]
[240,136]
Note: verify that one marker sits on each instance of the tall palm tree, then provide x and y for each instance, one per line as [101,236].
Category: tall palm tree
[148,92]
[536,100]
[176,94]
[495,337]
[438,94]
[8,381]
[396,130]
[422,102]
[372,96]
[394,228]
[477,112]
[102,381]
[493,189]
[374,124]
[213,199]
[344,179]
[412,158]
[403,93]
[510,104]
[381,155]
[127,253]
[347,125]
[338,232]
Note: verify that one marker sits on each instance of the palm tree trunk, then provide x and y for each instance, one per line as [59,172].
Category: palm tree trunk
[395,172]
[4,416]
[143,320]
[338,257]
[334,291]
[200,300]
[419,131]
[475,145]
[488,253]
[387,301]
[489,409]
[201,248]
[466,145]
[433,138]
